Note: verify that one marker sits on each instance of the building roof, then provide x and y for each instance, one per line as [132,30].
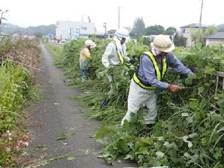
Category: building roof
[112,31]
[217,35]
[194,25]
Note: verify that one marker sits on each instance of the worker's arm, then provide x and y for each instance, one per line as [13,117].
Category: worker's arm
[177,65]
[125,56]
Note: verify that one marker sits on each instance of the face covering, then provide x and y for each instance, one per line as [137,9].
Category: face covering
[155,52]
[120,47]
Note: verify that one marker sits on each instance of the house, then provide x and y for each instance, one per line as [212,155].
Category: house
[99,35]
[215,38]
[188,30]
[73,30]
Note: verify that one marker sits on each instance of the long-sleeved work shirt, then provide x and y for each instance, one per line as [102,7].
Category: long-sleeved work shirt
[146,70]
[110,56]
[84,55]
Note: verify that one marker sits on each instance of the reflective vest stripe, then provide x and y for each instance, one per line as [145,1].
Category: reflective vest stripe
[137,81]
[119,54]
[164,67]
[159,76]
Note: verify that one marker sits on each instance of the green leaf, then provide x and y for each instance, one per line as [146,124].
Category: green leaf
[160,138]
[167,144]
[61,137]
[209,70]
[71,132]
[204,140]
[129,157]
[184,114]
[159,154]
[189,81]
[198,45]
[218,153]
[193,104]
[69,158]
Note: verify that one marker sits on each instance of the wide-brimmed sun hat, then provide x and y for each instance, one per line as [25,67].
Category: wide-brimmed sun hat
[162,43]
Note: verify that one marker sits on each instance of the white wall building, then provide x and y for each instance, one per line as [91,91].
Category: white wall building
[215,38]
[188,30]
[73,30]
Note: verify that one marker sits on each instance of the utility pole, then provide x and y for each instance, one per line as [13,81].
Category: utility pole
[119,8]
[1,17]
[105,29]
[82,16]
[105,26]
[89,19]
[199,31]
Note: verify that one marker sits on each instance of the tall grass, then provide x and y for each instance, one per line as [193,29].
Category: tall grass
[55,50]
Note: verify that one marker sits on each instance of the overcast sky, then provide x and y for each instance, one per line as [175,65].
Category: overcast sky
[167,13]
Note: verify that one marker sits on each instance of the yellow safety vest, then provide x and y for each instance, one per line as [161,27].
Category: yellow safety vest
[159,76]
[119,54]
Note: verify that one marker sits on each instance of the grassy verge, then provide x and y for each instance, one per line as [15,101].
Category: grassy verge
[55,50]
[18,66]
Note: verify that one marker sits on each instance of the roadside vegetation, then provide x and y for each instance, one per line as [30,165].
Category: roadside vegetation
[190,127]
[55,50]
[18,65]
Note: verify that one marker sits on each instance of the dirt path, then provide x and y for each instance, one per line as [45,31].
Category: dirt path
[57,115]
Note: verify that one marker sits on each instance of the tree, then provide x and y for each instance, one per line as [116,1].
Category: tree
[170,31]
[138,29]
[210,30]
[38,34]
[220,28]
[146,41]
[179,40]
[154,30]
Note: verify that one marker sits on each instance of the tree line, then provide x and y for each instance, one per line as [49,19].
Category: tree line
[140,31]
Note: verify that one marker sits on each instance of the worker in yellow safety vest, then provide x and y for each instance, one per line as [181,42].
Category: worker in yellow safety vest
[148,77]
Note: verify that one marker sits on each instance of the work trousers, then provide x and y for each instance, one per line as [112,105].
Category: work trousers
[138,97]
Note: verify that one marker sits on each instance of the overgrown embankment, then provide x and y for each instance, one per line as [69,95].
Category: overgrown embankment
[190,127]
[18,65]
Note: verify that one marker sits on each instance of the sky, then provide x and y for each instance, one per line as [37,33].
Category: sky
[167,13]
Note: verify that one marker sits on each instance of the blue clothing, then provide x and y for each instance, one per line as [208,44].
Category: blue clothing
[83,72]
[146,70]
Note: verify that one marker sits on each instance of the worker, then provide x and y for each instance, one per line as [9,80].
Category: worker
[148,77]
[115,53]
[84,56]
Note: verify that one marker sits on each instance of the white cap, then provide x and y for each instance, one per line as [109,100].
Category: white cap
[162,43]
[90,43]
[122,33]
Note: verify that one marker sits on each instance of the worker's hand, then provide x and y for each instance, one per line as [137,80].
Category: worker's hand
[132,61]
[173,88]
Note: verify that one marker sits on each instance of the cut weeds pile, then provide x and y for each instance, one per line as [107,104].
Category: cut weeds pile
[18,64]
[190,127]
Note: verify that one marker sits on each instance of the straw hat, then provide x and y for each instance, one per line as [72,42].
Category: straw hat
[162,43]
